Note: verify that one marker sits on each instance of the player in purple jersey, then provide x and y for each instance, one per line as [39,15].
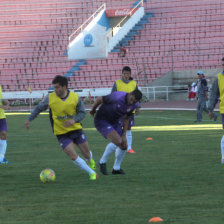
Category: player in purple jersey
[114,107]
[127,84]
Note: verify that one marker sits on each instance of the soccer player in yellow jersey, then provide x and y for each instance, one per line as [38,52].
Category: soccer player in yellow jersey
[217,92]
[66,112]
[4,104]
[127,84]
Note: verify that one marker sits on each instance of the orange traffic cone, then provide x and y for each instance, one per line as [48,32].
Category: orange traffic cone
[155,219]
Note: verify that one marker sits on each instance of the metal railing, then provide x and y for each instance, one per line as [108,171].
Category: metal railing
[82,27]
[110,34]
[163,92]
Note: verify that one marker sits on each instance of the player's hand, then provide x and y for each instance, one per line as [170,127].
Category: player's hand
[69,123]
[27,125]
[137,112]
[210,114]
[92,112]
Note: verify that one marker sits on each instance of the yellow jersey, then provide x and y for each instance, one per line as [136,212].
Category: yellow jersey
[63,110]
[221,91]
[2,113]
[126,87]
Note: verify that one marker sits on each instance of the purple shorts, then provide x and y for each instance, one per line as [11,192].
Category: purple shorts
[3,125]
[105,128]
[77,137]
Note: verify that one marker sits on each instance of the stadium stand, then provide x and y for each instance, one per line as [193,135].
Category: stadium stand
[173,35]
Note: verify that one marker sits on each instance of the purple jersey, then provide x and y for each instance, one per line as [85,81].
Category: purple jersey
[115,107]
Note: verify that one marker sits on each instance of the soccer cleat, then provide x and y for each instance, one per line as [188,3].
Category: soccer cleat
[5,161]
[93,176]
[91,164]
[103,168]
[118,171]
[131,151]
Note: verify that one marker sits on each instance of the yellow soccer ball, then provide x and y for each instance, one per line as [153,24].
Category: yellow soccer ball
[47,175]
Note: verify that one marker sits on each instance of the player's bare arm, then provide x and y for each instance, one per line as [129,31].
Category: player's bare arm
[27,125]
[95,105]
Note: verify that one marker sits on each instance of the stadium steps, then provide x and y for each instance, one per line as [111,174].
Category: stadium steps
[133,32]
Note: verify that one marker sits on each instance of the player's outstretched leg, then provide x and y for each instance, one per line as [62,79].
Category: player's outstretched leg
[129,141]
[78,161]
[3,146]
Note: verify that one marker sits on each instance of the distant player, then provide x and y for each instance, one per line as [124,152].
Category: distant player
[66,112]
[114,107]
[217,92]
[127,84]
[202,97]
[4,104]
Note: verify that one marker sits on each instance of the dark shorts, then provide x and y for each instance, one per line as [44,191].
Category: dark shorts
[77,137]
[3,125]
[104,127]
[131,121]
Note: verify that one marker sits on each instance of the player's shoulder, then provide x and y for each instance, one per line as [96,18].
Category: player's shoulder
[220,75]
[132,80]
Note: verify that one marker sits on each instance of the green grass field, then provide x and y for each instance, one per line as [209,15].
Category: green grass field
[176,176]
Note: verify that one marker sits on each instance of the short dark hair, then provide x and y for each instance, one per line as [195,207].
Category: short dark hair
[126,68]
[137,93]
[61,80]
[223,59]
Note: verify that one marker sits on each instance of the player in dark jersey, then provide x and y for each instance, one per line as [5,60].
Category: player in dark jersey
[127,84]
[115,107]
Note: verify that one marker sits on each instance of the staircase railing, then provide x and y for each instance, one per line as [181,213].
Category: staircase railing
[82,27]
[110,34]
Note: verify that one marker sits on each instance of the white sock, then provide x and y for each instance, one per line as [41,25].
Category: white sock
[91,156]
[83,165]
[129,139]
[3,146]
[119,155]
[222,147]
[110,148]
